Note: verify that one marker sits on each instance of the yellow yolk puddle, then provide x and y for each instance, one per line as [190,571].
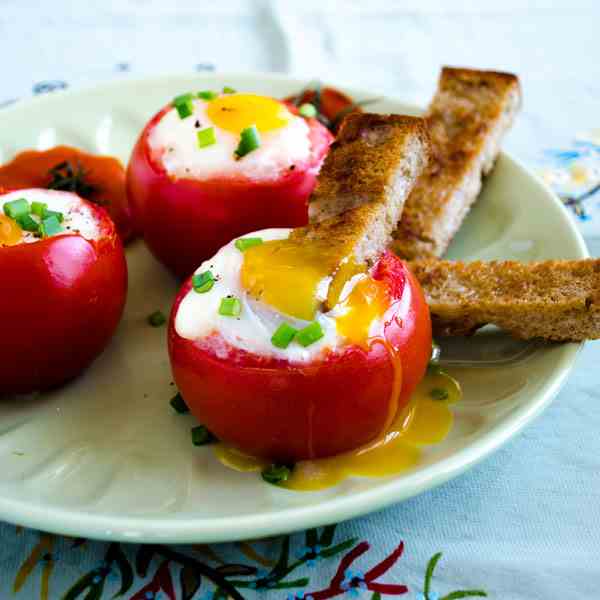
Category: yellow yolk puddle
[427,420]
[235,112]
[10,232]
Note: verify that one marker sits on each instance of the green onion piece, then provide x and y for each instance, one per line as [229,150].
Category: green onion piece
[244,243]
[276,474]
[203,282]
[202,436]
[439,394]
[307,110]
[284,335]
[184,105]
[50,226]
[16,208]
[310,334]
[53,213]
[230,306]
[39,208]
[178,404]
[27,223]
[157,318]
[228,90]
[207,95]
[206,137]
[249,141]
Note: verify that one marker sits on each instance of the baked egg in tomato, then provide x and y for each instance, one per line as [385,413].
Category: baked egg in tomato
[284,356]
[64,283]
[210,167]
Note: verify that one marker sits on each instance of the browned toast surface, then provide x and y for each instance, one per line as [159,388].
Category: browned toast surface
[467,118]
[556,300]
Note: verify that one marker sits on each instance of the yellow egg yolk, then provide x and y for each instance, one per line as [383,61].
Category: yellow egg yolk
[235,112]
[10,232]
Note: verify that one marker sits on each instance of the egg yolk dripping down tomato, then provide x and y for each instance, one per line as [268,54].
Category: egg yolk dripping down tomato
[10,232]
[286,275]
[236,112]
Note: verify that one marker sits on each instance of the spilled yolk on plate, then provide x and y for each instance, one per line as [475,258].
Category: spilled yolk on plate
[236,112]
[426,420]
[10,232]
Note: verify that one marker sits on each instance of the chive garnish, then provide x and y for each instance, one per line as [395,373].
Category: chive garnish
[230,306]
[439,394]
[276,474]
[50,226]
[16,208]
[310,334]
[244,243]
[157,318]
[203,282]
[202,436]
[39,208]
[206,137]
[207,95]
[249,141]
[184,105]
[307,110]
[53,213]
[27,223]
[178,404]
[228,90]
[284,335]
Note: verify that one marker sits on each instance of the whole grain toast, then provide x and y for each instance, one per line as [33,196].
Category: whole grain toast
[363,185]
[468,116]
[556,300]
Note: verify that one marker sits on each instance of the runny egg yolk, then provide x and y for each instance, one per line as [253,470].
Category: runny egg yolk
[236,112]
[10,232]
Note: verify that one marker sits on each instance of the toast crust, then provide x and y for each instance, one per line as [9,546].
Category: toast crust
[467,118]
[557,300]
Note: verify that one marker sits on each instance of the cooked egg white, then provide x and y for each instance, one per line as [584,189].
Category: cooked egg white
[198,314]
[284,139]
[78,217]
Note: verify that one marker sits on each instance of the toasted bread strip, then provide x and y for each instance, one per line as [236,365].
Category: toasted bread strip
[468,116]
[363,184]
[556,300]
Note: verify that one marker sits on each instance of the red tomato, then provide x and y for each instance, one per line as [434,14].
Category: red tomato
[63,300]
[185,221]
[105,174]
[287,412]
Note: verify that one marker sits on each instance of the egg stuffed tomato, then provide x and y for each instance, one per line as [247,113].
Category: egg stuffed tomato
[210,167]
[64,279]
[281,360]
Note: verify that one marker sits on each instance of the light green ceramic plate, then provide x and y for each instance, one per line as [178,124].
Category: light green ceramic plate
[106,457]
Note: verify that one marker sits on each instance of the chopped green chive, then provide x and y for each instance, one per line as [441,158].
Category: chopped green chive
[157,318]
[284,335]
[439,394]
[206,137]
[310,334]
[244,243]
[307,110]
[184,105]
[202,436]
[53,213]
[50,226]
[230,306]
[203,282]
[249,141]
[39,208]
[27,223]
[276,474]
[16,208]
[207,95]
[178,404]
[228,90]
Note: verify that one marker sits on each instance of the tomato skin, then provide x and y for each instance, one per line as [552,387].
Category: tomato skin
[64,301]
[288,412]
[185,221]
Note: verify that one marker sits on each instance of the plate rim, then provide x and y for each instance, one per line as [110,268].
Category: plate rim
[225,529]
